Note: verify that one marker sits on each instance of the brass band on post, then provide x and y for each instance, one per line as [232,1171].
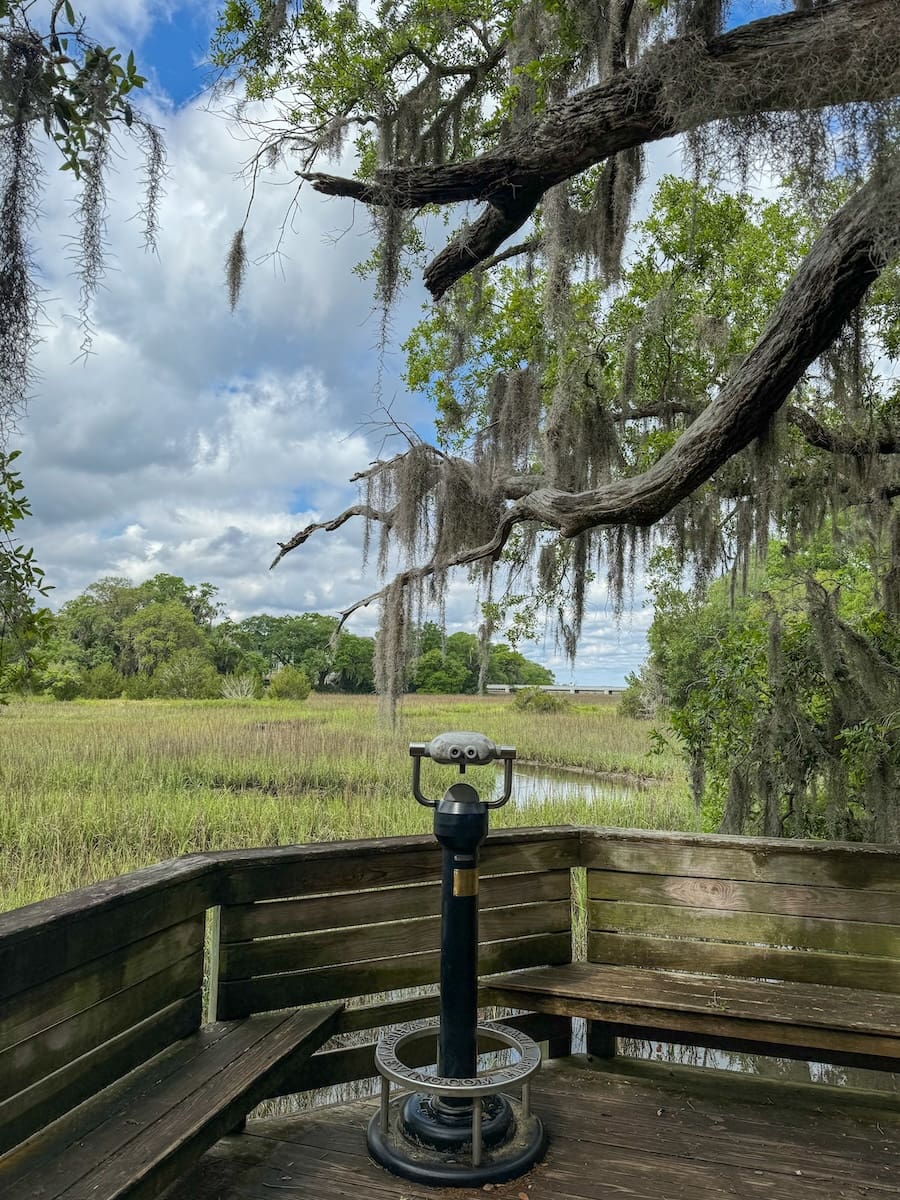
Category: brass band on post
[465,881]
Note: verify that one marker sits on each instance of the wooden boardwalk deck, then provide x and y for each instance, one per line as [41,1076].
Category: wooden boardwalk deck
[628,1131]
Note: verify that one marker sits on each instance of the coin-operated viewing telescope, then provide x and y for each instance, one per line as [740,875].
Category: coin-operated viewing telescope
[458,1128]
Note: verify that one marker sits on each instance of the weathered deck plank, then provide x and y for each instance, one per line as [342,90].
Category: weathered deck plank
[640,1133]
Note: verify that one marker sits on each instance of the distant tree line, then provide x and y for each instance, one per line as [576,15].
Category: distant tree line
[167,638]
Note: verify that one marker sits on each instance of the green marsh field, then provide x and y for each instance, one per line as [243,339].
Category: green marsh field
[91,789]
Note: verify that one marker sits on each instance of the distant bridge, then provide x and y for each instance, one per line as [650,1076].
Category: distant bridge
[567,689]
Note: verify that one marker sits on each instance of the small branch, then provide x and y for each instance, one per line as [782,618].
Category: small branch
[475,74]
[355,510]
[356,189]
[489,550]
[841,441]
[529,246]
[664,408]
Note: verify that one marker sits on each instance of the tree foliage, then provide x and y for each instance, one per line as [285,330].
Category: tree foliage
[708,390]
[455,664]
[60,86]
[289,683]
[23,625]
[311,643]
[786,696]
[187,674]
[142,640]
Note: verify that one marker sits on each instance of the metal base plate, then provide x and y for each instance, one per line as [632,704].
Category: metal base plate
[408,1158]
[423,1119]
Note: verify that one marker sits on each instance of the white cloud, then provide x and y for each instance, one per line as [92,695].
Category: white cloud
[193,440]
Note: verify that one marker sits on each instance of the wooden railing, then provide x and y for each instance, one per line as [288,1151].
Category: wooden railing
[801,911]
[360,921]
[95,982]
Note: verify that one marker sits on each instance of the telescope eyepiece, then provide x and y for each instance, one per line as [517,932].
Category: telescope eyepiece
[462,750]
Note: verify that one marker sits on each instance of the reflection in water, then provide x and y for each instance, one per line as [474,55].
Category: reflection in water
[539,784]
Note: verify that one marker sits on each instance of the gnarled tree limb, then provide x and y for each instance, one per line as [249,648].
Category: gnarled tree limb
[843,263]
[355,510]
[840,52]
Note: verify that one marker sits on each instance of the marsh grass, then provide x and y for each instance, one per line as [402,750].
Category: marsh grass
[92,789]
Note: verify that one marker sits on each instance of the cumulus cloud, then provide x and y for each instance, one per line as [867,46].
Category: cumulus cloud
[193,440]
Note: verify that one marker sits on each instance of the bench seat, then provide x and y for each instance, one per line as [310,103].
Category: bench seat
[136,1136]
[812,1021]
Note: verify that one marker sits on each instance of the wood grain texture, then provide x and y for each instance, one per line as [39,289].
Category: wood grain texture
[88,927]
[138,1148]
[243,922]
[751,962]
[269,956]
[762,860]
[30,1060]
[27,1013]
[845,1021]
[240,998]
[808,933]
[830,903]
[130,1091]
[57,1094]
[806,1004]
[650,1133]
[311,870]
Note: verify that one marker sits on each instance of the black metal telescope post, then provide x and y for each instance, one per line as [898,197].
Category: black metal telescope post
[457,1128]
[460,826]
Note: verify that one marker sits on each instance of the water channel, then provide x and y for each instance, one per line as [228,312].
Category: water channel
[534,783]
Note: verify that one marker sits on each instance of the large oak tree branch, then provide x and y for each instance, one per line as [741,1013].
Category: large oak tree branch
[843,263]
[842,52]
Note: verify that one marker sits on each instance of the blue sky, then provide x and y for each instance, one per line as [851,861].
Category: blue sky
[175,48]
[194,439]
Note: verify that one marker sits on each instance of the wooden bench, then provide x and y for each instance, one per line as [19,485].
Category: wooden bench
[137,1136]
[782,948]
[109,1087]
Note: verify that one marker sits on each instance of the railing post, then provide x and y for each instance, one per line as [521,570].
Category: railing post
[213,937]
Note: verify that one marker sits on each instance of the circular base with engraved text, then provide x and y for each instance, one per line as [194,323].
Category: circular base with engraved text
[403,1156]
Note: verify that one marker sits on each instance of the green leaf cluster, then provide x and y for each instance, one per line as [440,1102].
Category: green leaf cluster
[452,664]
[24,625]
[785,696]
[57,76]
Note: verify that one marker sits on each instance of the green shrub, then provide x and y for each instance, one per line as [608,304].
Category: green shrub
[535,701]
[289,683]
[63,680]
[188,675]
[631,702]
[138,687]
[103,682]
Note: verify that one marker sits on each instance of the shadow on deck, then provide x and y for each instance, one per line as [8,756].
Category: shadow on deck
[623,1129]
